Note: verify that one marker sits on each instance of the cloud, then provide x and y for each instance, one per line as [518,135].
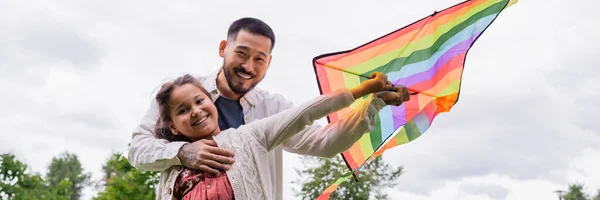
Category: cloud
[493,186]
[525,109]
[78,76]
[38,36]
[492,190]
[498,186]
[525,128]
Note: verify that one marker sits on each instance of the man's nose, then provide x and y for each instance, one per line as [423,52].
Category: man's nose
[248,66]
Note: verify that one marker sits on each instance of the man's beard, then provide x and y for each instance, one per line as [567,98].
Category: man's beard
[239,90]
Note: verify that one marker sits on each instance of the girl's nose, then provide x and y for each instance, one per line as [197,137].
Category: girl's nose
[196,112]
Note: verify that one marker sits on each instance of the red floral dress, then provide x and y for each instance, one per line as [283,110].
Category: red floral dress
[192,184]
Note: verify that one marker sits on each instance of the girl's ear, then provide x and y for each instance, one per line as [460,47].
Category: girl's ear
[173,129]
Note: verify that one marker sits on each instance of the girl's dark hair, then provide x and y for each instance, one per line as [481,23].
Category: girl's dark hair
[162,130]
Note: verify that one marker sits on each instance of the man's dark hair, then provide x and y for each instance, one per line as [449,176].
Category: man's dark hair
[252,25]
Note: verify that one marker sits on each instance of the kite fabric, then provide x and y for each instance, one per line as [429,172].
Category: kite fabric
[426,56]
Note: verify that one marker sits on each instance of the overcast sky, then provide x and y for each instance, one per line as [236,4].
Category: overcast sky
[77,76]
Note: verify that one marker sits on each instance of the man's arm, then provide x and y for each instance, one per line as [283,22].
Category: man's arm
[150,153]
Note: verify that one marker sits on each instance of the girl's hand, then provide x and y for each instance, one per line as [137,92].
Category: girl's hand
[377,83]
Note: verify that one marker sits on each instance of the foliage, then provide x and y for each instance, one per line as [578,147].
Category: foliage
[575,192]
[66,166]
[17,184]
[322,172]
[66,178]
[123,181]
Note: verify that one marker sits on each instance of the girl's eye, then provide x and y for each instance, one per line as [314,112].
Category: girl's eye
[199,101]
[182,111]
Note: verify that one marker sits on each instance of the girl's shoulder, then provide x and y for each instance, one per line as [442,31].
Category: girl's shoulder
[235,136]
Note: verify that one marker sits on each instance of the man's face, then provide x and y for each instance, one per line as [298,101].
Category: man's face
[245,60]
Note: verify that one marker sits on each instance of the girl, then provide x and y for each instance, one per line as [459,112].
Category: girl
[188,114]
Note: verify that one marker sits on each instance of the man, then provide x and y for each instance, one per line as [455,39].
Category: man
[246,57]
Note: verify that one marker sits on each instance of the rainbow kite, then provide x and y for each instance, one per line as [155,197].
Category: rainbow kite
[426,56]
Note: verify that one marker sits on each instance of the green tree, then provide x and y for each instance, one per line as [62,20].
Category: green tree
[322,172]
[123,181]
[575,193]
[66,166]
[17,184]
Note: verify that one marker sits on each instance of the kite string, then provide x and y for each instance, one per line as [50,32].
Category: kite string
[412,92]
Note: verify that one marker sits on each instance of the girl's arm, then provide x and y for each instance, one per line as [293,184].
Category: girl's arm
[276,129]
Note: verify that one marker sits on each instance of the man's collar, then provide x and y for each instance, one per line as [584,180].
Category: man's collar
[210,84]
[251,97]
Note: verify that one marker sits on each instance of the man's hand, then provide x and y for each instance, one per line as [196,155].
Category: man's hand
[206,156]
[396,97]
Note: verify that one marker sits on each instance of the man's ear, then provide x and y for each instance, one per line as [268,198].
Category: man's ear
[222,47]
[173,129]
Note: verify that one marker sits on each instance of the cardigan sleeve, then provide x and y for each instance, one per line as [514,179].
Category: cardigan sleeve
[274,130]
[325,140]
[338,136]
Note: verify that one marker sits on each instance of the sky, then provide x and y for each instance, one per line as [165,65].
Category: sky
[78,76]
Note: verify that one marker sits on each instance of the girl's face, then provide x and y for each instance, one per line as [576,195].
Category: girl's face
[193,114]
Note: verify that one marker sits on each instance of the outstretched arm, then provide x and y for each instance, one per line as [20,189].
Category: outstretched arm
[338,136]
[278,128]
